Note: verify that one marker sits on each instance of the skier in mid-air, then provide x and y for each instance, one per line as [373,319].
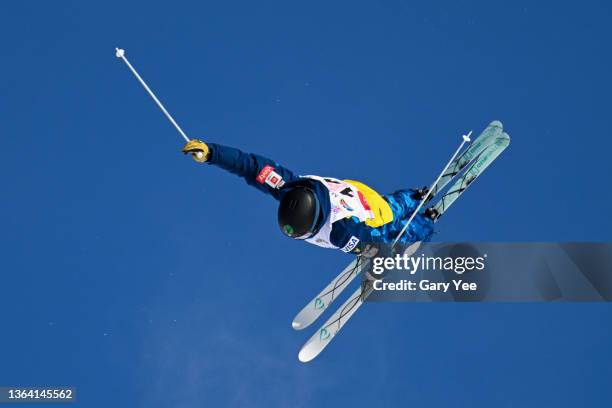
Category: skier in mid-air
[347,214]
[324,211]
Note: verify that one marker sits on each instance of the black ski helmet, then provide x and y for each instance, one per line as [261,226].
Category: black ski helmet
[298,212]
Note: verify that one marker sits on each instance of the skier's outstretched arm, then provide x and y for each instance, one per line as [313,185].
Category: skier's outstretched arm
[260,172]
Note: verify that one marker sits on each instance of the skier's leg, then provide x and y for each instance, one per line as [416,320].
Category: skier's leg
[421,229]
[403,203]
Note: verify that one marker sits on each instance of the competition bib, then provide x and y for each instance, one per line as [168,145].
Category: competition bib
[345,201]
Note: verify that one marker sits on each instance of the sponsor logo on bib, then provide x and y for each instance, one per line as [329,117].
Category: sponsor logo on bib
[345,205]
[351,244]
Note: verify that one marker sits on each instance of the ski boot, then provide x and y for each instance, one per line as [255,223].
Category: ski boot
[421,193]
[432,213]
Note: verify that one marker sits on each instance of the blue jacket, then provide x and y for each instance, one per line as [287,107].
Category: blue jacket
[249,166]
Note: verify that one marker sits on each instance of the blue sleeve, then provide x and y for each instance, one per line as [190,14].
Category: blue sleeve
[254,169]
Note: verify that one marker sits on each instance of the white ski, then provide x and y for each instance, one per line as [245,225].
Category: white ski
[491,147]
[487,156]
[324,299]
[484,140]
[332,326]
[321,302]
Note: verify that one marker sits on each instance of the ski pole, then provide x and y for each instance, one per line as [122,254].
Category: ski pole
[466,139]
[120,53]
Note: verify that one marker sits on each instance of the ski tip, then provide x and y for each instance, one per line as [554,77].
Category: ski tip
[305,355]
[496,123]
[303,319]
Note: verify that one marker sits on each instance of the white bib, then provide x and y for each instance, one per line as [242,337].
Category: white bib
[345,201]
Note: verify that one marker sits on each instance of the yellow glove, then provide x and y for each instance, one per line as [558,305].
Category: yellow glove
[198,150]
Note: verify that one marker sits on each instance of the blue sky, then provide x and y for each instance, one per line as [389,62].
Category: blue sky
[146,280]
